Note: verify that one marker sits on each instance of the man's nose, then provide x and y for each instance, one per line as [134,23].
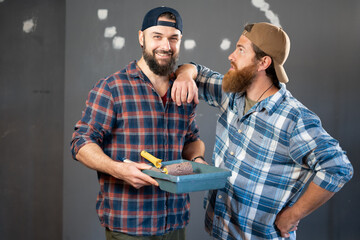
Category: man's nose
[165,44]
[231,57]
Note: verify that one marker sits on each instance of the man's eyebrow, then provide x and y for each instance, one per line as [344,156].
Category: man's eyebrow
[156,33]
[159,33]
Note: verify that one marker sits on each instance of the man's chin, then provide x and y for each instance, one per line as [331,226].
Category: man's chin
[163,62]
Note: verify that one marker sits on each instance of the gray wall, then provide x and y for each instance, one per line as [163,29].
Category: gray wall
[31,119]
[45,78]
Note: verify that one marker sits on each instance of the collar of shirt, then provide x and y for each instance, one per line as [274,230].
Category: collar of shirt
[270,104]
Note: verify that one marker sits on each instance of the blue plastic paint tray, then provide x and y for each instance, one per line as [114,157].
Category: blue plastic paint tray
[205,178]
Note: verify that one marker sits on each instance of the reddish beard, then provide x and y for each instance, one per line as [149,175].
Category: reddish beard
[239,80]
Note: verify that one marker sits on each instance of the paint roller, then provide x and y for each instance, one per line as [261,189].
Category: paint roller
[176,169]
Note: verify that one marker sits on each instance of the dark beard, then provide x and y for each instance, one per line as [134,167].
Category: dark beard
[236,81]
[155,67]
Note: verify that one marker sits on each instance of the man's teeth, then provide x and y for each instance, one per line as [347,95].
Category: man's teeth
[163,54]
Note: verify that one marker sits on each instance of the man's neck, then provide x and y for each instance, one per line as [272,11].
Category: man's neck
[261,88]
[160,83]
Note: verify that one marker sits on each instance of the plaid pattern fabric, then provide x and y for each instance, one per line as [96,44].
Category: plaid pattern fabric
[125,115]
[272,151]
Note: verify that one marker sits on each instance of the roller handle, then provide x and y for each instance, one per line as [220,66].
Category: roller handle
[151,158]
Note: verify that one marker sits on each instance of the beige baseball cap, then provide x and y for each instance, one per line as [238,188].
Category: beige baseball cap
[273,41]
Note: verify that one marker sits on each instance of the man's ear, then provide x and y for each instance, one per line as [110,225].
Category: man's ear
[264,63]
[141,38]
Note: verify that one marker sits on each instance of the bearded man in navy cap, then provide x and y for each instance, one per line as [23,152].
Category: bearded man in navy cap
[130,111]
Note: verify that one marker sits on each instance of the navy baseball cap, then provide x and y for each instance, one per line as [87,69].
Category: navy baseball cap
[151,18]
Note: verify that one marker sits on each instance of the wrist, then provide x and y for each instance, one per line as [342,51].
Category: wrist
[295,213]
[188,70]
[197,157]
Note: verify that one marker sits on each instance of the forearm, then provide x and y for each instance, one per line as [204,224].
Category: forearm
[188,70]
[288,219]
[312,199]
[92,156]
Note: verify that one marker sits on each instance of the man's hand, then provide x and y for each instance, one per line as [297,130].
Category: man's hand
[92,156]
[131,173]
[199,160]
[184,88]
[286,222]
[288,218]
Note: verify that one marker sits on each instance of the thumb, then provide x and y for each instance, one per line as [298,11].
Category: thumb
[143,166]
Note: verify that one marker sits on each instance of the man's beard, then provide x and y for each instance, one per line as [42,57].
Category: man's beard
[155,67]
[239,80]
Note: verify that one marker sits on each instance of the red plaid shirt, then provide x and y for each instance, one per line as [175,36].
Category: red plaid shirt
[125,115]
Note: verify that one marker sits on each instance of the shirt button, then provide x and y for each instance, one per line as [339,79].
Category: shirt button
[220,197]
[232,153]
[239,131]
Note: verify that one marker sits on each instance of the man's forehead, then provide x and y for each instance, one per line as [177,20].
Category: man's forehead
[159,29]
[244,41]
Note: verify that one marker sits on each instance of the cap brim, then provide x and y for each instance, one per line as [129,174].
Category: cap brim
[280,73]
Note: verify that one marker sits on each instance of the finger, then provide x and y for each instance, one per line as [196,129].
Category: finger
[191,95]
[145,177]
[138,184]
[143,180]
[196,98]
[173,92]
[143,166]
[292,228]
[285,234]
[201,161]
[178,97]
[151,180]
[184,94]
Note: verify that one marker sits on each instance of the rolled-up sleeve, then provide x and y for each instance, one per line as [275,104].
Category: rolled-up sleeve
[313,146]
[209,83]
[97,118]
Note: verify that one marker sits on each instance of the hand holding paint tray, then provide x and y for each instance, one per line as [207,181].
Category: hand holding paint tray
[191,176]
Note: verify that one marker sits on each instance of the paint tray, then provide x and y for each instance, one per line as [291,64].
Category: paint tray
[205,177]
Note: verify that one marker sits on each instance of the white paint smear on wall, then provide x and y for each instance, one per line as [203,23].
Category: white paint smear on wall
[29,26]
[225,44]
[265,7]
[110,32]
[118,42]
[189,44]
[102,14]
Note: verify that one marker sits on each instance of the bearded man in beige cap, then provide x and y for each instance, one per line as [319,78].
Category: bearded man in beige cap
[270,141]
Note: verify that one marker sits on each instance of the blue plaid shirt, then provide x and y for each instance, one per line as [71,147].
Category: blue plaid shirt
[272,151]
[125,115]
